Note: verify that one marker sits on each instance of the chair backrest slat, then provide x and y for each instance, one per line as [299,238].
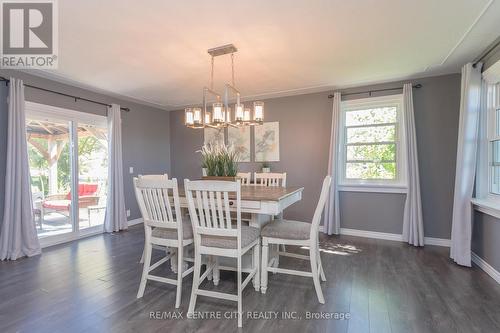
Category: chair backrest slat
[209,200]
[149,196]
[220,212]
[226,208]
[199,204]
[213,209]
[206,208]
[147,207]
[166,197]
[153,193]
[270,179]
[162,204]
[159,206]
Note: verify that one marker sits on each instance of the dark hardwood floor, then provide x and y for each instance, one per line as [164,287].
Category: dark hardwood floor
[91,285]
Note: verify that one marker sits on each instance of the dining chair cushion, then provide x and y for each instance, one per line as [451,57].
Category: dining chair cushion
[248,235]
[187,231]
[286,229]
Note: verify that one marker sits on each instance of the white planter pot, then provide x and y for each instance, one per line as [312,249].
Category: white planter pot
[204,172]
[266,170]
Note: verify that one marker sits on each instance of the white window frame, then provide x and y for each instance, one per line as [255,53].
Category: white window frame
[485,200]
[44,112]
[397,185]
[493,127]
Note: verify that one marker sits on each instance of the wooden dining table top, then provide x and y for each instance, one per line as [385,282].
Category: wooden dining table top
[259,193]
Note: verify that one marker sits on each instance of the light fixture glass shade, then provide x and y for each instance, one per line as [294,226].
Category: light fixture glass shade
[218,114]
[258,111]
[247,115]
[188,117]
[197,120]
[239,112]
[208,118]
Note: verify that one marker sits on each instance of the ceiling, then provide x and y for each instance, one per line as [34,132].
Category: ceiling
[155,51]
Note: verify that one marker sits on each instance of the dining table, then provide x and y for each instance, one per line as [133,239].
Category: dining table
[259,205]
[260,202]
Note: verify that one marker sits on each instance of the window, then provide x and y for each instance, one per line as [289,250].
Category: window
[494,138]
[487,188]
[371,142]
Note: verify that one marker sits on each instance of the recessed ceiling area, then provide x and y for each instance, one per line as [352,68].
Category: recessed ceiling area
[156,51]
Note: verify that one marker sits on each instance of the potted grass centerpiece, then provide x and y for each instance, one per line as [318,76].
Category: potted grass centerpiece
[220,162]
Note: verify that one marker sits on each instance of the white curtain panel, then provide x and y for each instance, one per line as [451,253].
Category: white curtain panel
[18,237]
[413,224]
[331,223]
[116,215]
[470,106]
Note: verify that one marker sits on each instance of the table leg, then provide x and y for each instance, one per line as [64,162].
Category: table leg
[173,259]
[260,221]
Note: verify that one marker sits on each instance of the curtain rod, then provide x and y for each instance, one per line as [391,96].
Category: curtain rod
[376,90]
[76,98]
[486,52]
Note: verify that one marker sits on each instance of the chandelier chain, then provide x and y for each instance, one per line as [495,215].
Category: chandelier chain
[232,69]
[212,75]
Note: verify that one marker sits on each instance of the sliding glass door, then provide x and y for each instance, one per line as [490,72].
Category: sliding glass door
[69,168]
[50,168]
[92,175]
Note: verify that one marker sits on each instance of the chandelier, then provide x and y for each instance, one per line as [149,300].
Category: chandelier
[220,115]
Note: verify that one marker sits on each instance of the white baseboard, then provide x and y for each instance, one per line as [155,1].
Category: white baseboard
[371,234]
[481,263]
[134,221]
[437,241]
[389,236]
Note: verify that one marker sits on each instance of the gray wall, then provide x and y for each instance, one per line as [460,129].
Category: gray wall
[305,122]
[146,139]
[381,212]
[485,236]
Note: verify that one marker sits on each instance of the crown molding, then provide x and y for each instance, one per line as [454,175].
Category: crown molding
[275,94]
[324,88]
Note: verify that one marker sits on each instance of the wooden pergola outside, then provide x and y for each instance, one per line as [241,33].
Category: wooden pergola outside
[57,136]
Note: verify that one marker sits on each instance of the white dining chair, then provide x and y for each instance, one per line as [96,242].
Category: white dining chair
[300,234]
[214,235]
[157,247]
[158,176]
[156,196]
[245,177]
[270,179]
